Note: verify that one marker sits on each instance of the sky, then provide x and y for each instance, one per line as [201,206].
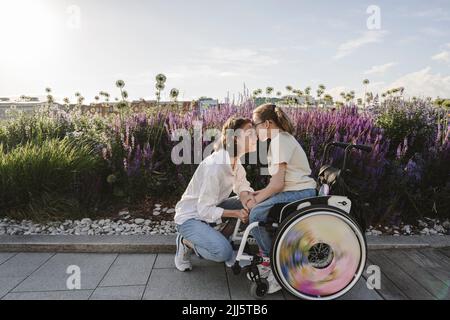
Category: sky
[214,48]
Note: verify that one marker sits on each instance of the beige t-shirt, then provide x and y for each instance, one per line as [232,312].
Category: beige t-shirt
[284,148]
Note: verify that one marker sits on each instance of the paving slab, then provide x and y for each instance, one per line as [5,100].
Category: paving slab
[118,293]
[50,295]
[361,292]
[53,274]
[129,270]
[18,268]
[202,283]
[4,256]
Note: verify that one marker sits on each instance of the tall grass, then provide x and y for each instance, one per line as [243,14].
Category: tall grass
[52,178]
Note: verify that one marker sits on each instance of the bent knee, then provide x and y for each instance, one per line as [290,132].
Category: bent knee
[257,215]
[222,253]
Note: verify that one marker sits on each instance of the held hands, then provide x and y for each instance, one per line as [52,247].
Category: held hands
[242,215]
[251,203]
[248,200]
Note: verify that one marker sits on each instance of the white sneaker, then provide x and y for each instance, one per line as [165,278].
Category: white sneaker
[183,255]
[230,263]
[274,286]
[263,272]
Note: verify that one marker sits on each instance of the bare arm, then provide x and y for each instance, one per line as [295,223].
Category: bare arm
[239,214]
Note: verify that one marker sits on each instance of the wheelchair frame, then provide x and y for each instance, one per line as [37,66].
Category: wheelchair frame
[335,203]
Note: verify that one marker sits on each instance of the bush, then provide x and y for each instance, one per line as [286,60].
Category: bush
[410,126]
[48,179]
[417,176]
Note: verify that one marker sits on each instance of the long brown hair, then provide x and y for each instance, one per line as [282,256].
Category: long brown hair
[228,142]
[270,112]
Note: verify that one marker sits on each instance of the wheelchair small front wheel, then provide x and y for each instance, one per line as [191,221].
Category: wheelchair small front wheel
[259,290]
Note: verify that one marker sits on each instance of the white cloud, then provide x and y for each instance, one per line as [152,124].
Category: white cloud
[336,92]
[368,37]
[217,63]
[443,56]
[424,83]
[436,14]
[359,90]
[221,62]
[432,32]
[380,69]
[239,56]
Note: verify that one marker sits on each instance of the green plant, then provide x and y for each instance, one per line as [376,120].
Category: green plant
[408,126]
[47,179]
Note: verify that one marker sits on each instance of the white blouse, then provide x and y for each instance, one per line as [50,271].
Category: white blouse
[212,183]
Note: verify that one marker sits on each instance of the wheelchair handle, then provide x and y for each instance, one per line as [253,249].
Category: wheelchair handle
[348,147]
[363,147]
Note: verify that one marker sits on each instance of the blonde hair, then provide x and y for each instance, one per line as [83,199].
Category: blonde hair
[270,112]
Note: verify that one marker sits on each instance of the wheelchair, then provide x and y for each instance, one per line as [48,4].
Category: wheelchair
[318,247]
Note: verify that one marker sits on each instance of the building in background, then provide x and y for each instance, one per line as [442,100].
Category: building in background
[31,104]
[205,103]
[286,100]
[23,104]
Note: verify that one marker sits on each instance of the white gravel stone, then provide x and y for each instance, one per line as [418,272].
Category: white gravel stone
[422,224]
[87,227]
[124,225]
[377,232]
[407,229]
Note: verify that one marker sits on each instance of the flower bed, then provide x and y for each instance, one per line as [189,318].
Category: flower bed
[405,177]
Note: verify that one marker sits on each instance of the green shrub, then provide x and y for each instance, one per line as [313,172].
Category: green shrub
[51,178]
[409,125]
[35,128]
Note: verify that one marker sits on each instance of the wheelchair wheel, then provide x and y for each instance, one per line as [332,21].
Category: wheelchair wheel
[259,290]
[318,253]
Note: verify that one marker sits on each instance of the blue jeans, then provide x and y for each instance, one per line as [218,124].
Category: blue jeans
[209,243]
[261,211]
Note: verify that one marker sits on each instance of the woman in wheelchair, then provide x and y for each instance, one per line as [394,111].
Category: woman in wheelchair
[290,178]
[205,201]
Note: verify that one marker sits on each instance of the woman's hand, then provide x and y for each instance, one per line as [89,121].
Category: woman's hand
[245,197]
[242,215]
[238,214]
[251,203]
